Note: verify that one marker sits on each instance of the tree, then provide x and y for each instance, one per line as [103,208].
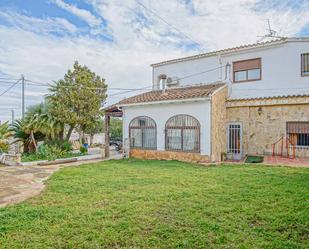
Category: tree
[37,125]
[115,128]
[95,127]
[4,131]
[4,135]
[77,98]
[20,130]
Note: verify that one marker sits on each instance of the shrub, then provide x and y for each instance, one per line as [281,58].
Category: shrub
[4,147]
[64,145]
[83,150]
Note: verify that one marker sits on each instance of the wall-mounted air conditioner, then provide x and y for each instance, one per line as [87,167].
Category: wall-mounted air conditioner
[172,81]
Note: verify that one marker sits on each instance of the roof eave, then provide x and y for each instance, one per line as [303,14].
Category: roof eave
[165,101]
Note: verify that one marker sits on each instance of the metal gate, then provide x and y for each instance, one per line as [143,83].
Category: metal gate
[234,144]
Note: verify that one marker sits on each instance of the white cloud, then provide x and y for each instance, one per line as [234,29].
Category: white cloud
[81,13]
[139,39]
[43,26]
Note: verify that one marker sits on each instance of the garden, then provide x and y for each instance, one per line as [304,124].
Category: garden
[74,104]
[163,204]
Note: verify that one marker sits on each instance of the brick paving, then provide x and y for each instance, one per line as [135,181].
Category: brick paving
[283,161]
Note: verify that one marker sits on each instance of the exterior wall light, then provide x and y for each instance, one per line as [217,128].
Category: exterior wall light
[260,110]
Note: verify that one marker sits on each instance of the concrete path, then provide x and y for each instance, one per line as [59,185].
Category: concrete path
[18,183]
[295,162]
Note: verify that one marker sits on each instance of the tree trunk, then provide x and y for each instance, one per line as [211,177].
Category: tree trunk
[69,132]
[33,140]
[91,139]
[61,135]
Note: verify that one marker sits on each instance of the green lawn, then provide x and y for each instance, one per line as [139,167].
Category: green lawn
[159,204]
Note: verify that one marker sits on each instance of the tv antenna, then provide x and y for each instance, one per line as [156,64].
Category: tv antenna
[271,33]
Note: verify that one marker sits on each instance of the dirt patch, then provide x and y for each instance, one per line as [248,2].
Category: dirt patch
[18,183]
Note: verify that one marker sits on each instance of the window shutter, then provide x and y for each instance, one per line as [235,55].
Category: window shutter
[297,127]
[305,63]
[247,64]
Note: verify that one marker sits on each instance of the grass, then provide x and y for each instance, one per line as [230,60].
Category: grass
[254,159]
[30,157]
[160,204]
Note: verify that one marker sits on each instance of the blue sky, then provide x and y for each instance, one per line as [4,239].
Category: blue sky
[119,39]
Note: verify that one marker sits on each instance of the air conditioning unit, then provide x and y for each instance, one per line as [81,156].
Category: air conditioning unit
[172,81]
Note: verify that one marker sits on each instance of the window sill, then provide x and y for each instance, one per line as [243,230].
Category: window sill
[141,148]
[183,151]
[244,81]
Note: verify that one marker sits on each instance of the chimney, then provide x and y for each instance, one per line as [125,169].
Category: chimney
[163,80]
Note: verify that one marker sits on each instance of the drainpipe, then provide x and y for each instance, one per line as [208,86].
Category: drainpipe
[227,78]
[220,63]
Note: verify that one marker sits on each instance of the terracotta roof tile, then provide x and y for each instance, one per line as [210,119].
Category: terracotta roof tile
[270,97]
[189,92]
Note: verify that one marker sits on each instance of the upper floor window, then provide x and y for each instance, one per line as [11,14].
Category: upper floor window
[305,64]
[247,70]
[143,133]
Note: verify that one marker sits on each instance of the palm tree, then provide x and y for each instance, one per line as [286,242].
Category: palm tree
[21,133]
[4,135]
[37,125]
[4,131]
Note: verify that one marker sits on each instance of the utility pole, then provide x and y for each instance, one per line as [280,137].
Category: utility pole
[23,95]
[13,116]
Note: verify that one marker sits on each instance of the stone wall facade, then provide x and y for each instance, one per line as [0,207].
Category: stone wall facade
[264,122]
[218,124]
[169,155]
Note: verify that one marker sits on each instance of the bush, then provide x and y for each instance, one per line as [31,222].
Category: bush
[64,145]
[83,150]
[4,147]
[51,152]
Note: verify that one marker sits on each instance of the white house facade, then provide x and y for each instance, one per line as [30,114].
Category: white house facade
[280,69]
[248,100]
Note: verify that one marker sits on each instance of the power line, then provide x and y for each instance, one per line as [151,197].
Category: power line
[7,79]
[143,88]
[93,88]
[170,25]
[199,73]
[8,89]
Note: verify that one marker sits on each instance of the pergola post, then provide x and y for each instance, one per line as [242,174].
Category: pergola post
[107,123]
[111,111]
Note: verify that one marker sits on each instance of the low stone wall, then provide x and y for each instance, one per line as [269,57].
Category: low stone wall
[11,160]
[169,155]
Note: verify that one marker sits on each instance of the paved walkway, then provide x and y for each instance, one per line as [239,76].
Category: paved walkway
[18,183]
[277,160]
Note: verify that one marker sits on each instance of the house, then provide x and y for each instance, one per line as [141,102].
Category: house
[246,100]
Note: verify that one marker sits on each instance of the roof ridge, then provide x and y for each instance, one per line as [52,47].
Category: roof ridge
[182,93]
[201,55]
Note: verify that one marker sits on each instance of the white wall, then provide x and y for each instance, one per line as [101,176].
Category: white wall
[281,71]
[160,113]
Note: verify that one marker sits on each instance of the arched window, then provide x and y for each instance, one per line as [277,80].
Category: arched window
[143,133]
[182,133]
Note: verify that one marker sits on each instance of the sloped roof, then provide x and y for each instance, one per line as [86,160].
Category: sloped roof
[189,92]
[282,96]
[228,50]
